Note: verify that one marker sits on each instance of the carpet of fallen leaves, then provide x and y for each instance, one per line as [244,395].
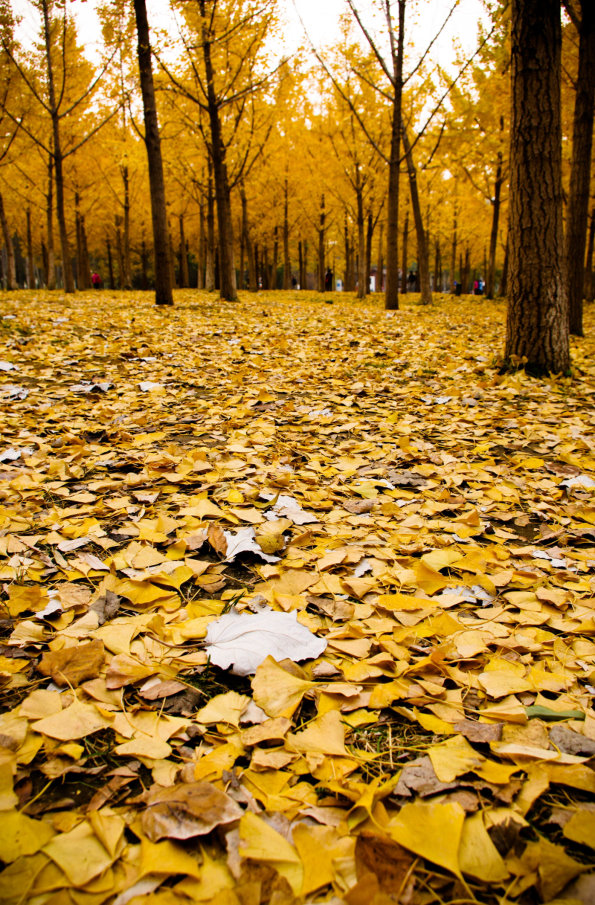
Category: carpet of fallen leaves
[432,521]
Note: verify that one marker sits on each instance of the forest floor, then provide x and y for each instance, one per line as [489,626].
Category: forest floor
[430,524]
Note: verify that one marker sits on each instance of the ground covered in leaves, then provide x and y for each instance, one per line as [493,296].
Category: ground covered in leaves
[430,522]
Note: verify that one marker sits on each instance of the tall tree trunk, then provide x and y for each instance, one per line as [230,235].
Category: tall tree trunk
[405,259]
[11,273]
[184,277]
[210,255]
[580,173]
[437,267]
[305,275]
[252,284]
[380,267]
[127,269]
[391,299]
[30,264]
[321,232]
[50,280]
[163,282]
[589,276]
[537,323]
[227,273]
[85,252]
[266,281]
[57,150]
[423,257]
[300,263]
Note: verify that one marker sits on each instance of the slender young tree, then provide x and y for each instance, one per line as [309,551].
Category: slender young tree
[163,281]
[537,325]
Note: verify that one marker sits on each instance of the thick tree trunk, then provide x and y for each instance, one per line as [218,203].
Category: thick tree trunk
[163,282]
[423,257]
[11,273]
[266,280]
[580,174]
[391,299]
[537,324]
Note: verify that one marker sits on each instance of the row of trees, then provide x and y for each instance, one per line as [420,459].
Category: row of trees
[275,171]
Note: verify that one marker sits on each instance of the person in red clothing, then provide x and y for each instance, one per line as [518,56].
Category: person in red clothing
[96,280]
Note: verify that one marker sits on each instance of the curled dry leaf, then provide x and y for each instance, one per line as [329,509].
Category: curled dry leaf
[187,810]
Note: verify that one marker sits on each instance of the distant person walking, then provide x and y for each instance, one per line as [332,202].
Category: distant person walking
[328,280]
[96,280]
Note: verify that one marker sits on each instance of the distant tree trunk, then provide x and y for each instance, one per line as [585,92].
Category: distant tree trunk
[453,255]
[144,265]
[79,243]
[163,282]
[466,271]
[580,173]
[172,258]
[252,285]
[305,275]
[504,279]
[300,263]
[369,237]
[30,265]
[405,259]
[210,256]
[347,248]
[11,273]
[127,269]
[227,273]
[275,264]
[380,267]
[423,258]
[200,275]
[266,281]
[589,277]
[110,265]
[491,273]
[537,324]
[184,277]
[50,280]
[286,261]
[85,251]
[362,279]
[391,301]
[119,252]
[57,149]
[321,231]
[437,267]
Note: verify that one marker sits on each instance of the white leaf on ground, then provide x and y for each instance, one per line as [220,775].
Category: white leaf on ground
[13,391]
[11,454]
[8,366]
[362,567]
[53,606]
[287,507]
[146,386]
[243,541]
[243,641]
[581,480]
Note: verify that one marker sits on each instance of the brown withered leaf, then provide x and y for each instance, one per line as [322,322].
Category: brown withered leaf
[186,810]
[386,859]
[479,732]
[73,665]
